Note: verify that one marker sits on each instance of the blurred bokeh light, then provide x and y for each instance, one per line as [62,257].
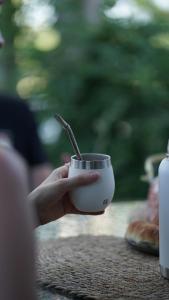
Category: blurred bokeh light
[104,66]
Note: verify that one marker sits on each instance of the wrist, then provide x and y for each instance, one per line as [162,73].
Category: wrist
[32,199]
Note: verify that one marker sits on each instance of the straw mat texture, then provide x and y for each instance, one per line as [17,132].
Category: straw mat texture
[102,268]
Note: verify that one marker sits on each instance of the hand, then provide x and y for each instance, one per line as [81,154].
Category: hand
[51,198]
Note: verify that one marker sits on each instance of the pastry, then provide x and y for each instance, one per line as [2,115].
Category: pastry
[144,236]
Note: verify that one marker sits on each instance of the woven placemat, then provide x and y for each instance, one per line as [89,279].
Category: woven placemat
[102,268]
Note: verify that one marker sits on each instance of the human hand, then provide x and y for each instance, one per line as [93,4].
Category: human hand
[51,198]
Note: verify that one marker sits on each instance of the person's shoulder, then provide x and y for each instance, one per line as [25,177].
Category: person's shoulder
[15,102]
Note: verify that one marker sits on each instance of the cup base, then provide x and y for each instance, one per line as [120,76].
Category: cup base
[91,209]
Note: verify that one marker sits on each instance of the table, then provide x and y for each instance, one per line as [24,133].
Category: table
[113,222]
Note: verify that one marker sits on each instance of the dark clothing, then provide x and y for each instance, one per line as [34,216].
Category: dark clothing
[17,121]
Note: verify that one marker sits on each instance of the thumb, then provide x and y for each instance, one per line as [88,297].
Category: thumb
[80,180]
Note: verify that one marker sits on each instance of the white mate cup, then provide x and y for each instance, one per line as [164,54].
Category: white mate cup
[97,196]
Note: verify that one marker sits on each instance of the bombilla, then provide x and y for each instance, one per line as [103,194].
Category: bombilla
[70,134]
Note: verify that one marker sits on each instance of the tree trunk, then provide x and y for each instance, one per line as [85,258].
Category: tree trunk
[91,11]
[8,68]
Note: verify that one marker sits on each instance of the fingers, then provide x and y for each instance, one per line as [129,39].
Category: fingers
[57,174]
[61,172]
[80,180]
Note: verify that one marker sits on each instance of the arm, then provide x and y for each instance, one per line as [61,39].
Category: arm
[17,274]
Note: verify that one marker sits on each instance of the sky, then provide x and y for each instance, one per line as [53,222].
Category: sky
[128,9]
[40,14]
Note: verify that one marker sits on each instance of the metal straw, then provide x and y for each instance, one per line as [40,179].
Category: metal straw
[70,134]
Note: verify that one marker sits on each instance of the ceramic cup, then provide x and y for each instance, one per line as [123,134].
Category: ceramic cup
[97,196]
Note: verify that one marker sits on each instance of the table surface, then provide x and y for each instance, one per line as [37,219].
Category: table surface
[113,222]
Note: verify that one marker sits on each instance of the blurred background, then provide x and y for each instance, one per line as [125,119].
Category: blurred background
[104,66]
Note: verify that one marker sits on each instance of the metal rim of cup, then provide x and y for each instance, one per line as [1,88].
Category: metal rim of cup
[91,161]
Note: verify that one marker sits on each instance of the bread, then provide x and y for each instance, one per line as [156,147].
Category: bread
[144,236]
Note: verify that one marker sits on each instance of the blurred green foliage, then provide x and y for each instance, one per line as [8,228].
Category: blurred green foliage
[108,79]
